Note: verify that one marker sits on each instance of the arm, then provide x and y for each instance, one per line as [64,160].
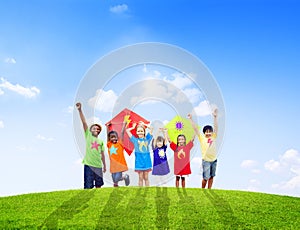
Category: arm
[166,135]
[148,127]
[124,127]
[85,126]
[215,115]
[103,161]
[128,131]
[194,125]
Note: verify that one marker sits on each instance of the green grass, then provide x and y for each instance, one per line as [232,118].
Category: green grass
[149,208]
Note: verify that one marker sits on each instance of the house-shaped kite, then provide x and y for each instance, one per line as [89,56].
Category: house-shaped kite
[180,125]
[116,124]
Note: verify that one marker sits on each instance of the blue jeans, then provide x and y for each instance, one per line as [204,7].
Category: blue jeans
[116,177]
[92,177]
[209,169]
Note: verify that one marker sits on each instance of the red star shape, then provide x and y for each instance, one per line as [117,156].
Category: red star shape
[95,145]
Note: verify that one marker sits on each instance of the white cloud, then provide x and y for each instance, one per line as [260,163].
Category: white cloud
[104,101]
[248,164]
[1,92]
[118,9]
[1,125]
[273,165]
[193,94]
[256,171]
[179,81]
[26,92]
[94,120]
[40,137]
[204,108]
[289,163]
[10,60]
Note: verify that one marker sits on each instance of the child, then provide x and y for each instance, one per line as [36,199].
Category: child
[160,161]
[208,149]
[94,154]
[141,150]
[116,156]
[182,151]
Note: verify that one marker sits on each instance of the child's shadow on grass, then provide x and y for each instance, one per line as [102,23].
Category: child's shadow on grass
[187,207]
[112,213]
[162,208]
[68,209]
[135,209]
[223,209]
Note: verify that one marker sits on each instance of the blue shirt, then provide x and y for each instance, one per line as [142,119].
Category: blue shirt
[141,151]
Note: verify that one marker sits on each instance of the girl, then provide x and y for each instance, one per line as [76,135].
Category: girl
[118,163]
[160,161]
[141,151]
[182,151]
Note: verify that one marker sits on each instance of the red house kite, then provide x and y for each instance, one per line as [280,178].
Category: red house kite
[116,124]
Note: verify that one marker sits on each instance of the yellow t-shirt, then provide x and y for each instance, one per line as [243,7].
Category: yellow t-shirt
[208,147]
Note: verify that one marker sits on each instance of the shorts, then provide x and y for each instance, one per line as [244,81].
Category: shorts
[92,177]
[117,176]
[209,169]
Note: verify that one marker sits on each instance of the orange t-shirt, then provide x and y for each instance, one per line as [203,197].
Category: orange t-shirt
[116,157]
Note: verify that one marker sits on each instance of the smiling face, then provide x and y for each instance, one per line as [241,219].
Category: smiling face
[181,140]
[113,138]
[208,133]
[159,143]
[140,131]
[95,130]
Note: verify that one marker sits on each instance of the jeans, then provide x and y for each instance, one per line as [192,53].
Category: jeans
[92,177]
[116,177]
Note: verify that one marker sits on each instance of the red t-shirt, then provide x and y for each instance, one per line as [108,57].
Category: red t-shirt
[182,158]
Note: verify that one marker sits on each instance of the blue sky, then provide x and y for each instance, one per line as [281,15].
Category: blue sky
[251,47]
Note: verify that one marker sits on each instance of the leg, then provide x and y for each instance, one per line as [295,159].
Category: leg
[213,168]
[88,177]
[177,181]
[113,175]
[210,182]
[183,182]
[206,172]
[204,183]
[146,178]
[98,175]
[140,179]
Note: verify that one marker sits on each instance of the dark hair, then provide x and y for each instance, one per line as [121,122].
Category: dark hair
[208,127]
[159,138]
[181,135]
[112,132]
[99,126]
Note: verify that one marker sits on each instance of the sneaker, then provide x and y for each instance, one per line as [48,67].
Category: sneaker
[126,178]
[116,185]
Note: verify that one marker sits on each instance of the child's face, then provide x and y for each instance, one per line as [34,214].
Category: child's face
[140,132]
[113,138]
[95,130]
[159,143]
[208,133]
[181,141]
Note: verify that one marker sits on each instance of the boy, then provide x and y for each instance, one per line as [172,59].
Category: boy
[208,149]
[94,154]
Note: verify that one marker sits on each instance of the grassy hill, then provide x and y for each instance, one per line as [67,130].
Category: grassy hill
[149,208]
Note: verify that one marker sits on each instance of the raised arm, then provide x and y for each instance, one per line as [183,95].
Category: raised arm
[194,125]
[215,115]
[128,130]
[78,106]
[147,126]
[166,135]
